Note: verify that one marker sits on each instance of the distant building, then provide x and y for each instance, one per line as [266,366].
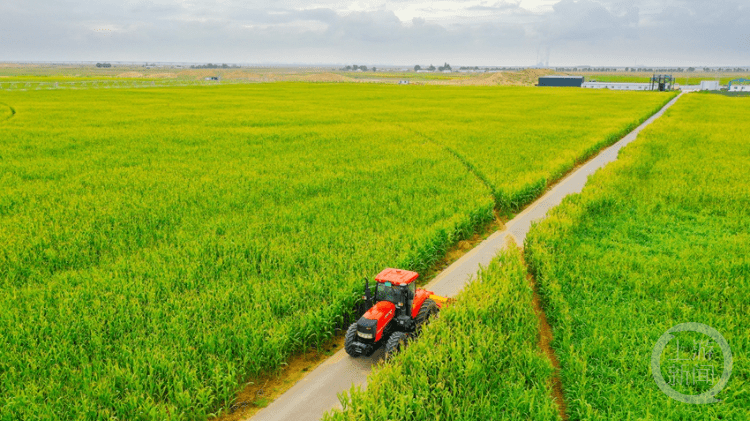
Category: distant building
[739,85]
[617,86]
[561,81]
[709,85]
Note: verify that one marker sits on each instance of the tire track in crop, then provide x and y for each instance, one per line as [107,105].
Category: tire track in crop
[466,163]
[12,112]
[545,341]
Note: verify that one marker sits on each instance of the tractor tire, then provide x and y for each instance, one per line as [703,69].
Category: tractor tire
[349,339]
[396,343]
[428,310]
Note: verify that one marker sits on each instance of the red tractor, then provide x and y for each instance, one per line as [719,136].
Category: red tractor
[398,310]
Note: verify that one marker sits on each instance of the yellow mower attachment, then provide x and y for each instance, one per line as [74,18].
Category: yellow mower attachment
[441,301]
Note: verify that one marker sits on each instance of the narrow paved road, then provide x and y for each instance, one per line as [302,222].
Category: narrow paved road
[317,393]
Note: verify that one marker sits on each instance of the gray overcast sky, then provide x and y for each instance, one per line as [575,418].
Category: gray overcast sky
[470,32]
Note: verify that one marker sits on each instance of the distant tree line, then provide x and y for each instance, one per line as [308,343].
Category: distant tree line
[432,68]
[214,66]
[354,67]
[103,65]
[649,69]
[727,69]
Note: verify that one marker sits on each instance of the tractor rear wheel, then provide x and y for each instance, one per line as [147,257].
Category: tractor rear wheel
[396,343]
[349,339]
[426,312]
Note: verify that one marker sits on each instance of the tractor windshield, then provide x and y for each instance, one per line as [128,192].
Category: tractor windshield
[387,292]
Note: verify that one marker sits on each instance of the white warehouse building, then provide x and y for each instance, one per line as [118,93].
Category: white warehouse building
[739,85]
[710,85]
[620,86]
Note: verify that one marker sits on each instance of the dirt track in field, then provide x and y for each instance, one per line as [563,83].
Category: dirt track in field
[545,344]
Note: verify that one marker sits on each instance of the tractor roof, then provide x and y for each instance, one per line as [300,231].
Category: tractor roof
[396,276]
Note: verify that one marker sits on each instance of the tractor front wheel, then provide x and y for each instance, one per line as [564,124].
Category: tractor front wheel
[349,339]
[396,343]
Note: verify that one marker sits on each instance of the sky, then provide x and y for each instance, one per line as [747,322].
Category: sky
[403,32]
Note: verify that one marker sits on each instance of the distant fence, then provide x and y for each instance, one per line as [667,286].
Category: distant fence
[113,84]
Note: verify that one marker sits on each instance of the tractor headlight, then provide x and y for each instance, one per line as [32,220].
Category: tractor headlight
[364,335]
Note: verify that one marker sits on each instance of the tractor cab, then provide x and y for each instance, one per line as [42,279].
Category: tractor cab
[398,287]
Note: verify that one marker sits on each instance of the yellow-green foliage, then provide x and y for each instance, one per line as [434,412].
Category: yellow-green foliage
[158,246]
[5,112]
[513,141]
[658,238]
[479,360]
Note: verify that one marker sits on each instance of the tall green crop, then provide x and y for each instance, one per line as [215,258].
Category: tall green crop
[5,112]
[659,238]
[158,246]
[526,140]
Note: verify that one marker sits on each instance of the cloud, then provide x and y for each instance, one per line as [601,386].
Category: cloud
[496,7]
[586,20]
[473,31]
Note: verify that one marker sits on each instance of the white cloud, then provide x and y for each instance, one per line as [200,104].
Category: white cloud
[472,32]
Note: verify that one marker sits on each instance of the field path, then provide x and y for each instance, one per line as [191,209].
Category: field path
[318,392]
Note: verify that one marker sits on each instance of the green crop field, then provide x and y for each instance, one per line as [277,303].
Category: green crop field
[502,142]
[5,112]
[65,79]
[658,238]
[480,360]
[405,75]
[723,79]
[99,83]
[618,78]
[693,79]
[158,246]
